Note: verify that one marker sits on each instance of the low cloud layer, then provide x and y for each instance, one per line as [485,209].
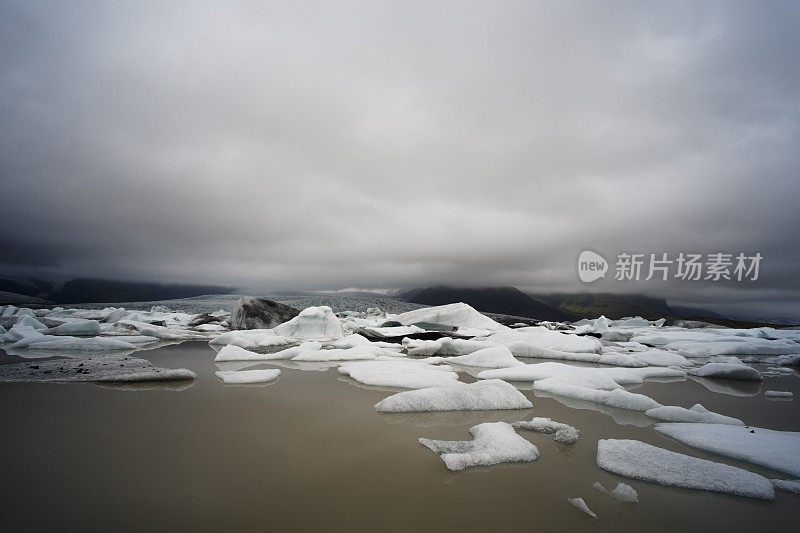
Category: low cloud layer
[379,144]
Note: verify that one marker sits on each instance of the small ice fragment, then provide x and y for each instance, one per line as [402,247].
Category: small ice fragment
[580,504]
[778,394]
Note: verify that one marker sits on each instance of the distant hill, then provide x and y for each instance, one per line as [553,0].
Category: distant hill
[25,286]
[500,300]
[613,306]
[98,291]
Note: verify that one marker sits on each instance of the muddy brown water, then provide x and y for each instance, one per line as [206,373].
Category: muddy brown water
[310,453]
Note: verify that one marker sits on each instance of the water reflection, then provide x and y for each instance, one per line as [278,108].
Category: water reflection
[457,418]
[622,417]
[729,386]
[174,386]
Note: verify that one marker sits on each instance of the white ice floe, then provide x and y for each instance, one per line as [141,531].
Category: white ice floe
[495,357]
[251,338]
[87,344]
[406,374]
[17,333]
[580,504]
[789,485]
[96,368]
[492,443]
[162,332]
[697,413]
[563,432]
[599,378]
[739,346]
[781,360]
[638,460]
[619,398]
[622,492]
[76,327]
[241,377]
[540,337]
[313,323]
[457,315]
[778,394]
[392,331]
[727,370]
[778,450]
[232,352]
[28,320]
[479,396]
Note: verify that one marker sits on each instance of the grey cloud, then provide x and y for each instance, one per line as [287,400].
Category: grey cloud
[273,145]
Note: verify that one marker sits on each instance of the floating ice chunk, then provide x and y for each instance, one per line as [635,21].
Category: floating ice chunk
[97,368]
[789,485]
[54,342]
[313,323]
[28,320]
[537,337]
[493,443]
[458,315]
[17,333]
[241,377]
[76,327]
[252,338]
[778,394]
[596,378]
[738,371]
[563,432]
[231,352]
[495,357]
[638,460]
[696,413]
[399,373]
[653,357]
[9,311]
[162,332]
[739,346]
[393,331]
[479,396]
[619,398]
[580,504]
[779,450]
[783,360]
[622,492]
[354,339]
[363,352]
[3,331]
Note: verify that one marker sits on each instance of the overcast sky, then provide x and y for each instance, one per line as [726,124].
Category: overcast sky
[395,144]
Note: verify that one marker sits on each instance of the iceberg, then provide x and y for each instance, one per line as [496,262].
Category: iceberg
[458,315]
[493,443]
[638,460]
[313,323]
[76,327]
[778,450]
[480,396]
[789,485]
[105,368]
[495,357]
[697,413]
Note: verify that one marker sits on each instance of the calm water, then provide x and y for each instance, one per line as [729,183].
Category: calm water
[309,452]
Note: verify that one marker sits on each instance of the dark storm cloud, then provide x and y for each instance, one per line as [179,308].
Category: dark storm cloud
[393,144]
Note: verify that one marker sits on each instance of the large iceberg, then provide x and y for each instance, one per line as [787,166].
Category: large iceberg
[493,443]
[458,315]
[494,357]
[638,460]
[313,323]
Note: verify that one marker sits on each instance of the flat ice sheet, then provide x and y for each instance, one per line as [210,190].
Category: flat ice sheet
[779,450]
[638,460]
